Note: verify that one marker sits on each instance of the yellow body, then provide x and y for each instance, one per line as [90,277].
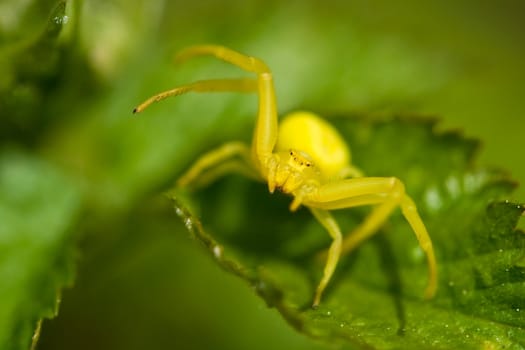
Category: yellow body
[317,138]
[304,157]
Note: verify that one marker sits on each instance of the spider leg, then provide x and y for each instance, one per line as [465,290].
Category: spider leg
[215,85]
[334,252]
[228,158]
[265,134]
[387,194]
[409,210]
[233,166]
[247,63]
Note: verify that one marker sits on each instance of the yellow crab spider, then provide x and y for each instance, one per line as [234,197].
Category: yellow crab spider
[304,157]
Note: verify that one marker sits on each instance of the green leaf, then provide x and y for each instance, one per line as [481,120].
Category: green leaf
[375,300]
[37,208]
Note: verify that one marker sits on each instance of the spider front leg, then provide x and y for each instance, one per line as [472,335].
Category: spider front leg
[212,85]
[387,194]
[265,134]
[232,157]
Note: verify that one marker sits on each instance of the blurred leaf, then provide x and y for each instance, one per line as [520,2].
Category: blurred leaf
[28,65]
[375,298]
[37,208]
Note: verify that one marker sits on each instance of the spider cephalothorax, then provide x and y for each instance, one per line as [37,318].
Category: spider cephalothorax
[290,171]
[305,157]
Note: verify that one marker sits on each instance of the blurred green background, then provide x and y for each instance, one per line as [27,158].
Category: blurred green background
[67,100]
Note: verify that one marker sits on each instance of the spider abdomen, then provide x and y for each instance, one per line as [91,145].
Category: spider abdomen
[314,136]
